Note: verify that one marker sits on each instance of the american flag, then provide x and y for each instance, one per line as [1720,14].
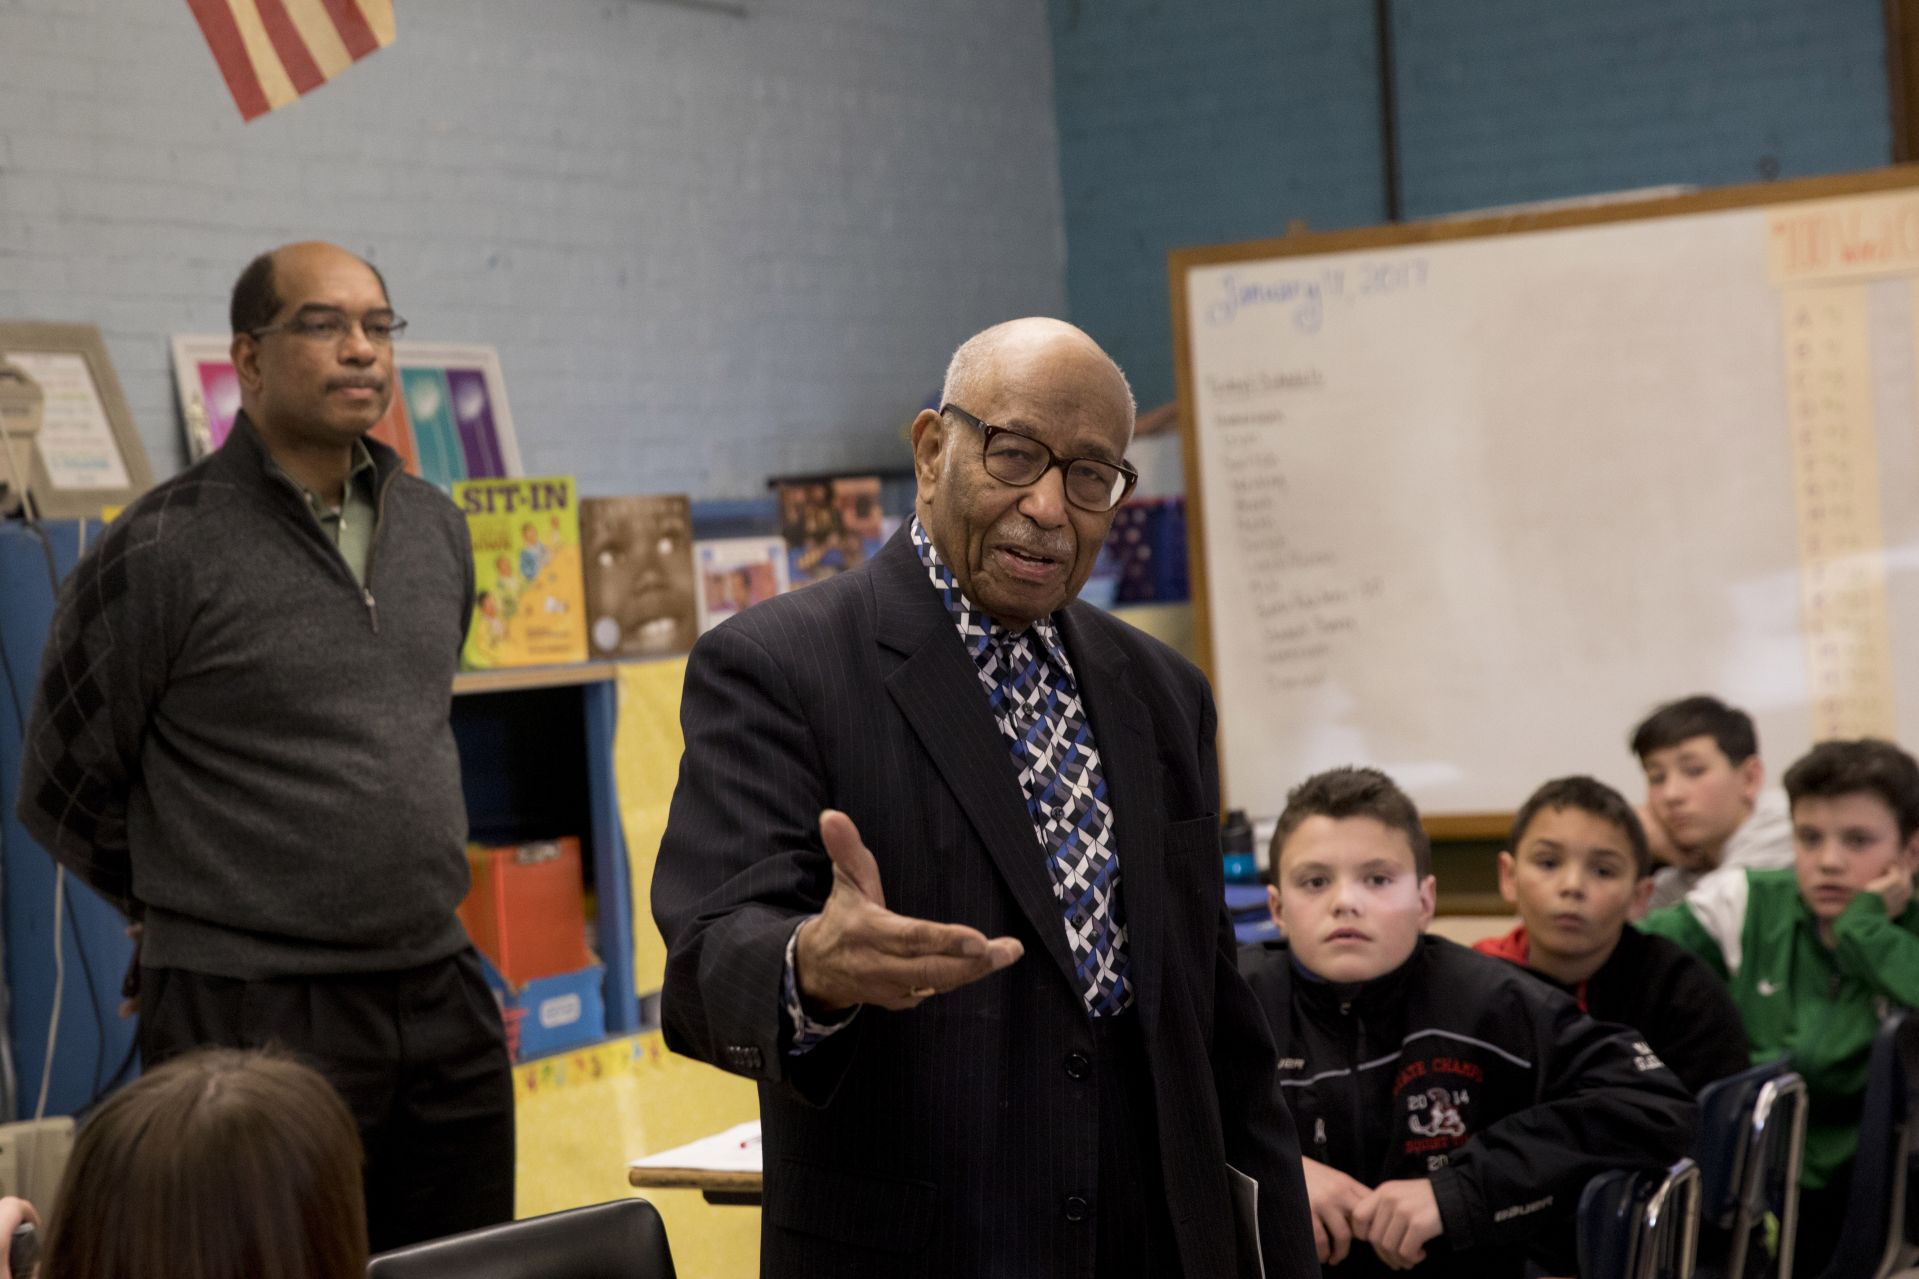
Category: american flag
[272,51]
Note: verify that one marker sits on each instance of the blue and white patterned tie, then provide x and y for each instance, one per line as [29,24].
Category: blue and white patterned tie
[1053,748]
[1035,699]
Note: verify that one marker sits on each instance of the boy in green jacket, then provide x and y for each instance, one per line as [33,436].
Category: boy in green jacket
[1817,956]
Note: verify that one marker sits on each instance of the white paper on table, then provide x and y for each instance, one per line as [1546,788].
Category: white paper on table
[735,1150]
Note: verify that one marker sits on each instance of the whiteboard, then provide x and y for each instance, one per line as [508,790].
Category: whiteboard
[1468,500]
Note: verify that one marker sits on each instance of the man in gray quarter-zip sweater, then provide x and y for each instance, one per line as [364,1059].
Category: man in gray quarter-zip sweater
[241,738]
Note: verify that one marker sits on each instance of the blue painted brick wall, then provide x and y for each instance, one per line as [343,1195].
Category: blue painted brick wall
[1195,122]
[1207,121]
[708,248]
[1510,100]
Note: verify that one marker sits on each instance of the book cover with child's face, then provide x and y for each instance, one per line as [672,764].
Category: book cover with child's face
[638,555]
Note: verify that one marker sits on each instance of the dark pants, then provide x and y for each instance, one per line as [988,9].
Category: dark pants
[418,1056]
[1135,1229]
[1822,1216]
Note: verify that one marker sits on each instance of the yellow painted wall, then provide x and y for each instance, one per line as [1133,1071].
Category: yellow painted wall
[584,1115]
[646,766]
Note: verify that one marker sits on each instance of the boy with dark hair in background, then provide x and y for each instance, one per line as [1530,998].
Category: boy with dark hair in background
[1577,868]
[1450,1107]
[1816,956]
[1707,805]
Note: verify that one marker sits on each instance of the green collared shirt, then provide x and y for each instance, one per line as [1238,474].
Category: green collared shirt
[350,524]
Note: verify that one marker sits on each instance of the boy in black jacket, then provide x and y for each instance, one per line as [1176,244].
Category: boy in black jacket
[1450,1106]
[1577,869]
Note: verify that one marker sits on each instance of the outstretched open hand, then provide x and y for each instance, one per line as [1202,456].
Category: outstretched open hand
[858,952]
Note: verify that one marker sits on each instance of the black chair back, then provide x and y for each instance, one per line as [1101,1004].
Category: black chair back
[624,1239]
[1752,1135]
[1611,1208]
[1875,1242]
[1636,1225]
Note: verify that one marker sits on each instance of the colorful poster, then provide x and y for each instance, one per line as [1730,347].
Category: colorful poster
[473,414]
[219,400]
[529,608]
[448,419]
[428,408]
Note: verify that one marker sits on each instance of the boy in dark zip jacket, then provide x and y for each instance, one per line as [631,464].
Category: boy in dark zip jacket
[1450,1106]
[1817,956]
[1577,868]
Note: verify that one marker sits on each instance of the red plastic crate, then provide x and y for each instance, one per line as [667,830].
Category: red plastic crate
[526,909]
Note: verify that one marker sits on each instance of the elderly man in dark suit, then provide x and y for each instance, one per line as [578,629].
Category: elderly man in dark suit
[943,874]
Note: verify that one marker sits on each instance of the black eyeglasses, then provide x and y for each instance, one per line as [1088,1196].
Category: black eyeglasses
[1016,458]
[328,326]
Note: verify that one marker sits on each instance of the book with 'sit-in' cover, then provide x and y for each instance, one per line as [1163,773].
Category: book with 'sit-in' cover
[529,606]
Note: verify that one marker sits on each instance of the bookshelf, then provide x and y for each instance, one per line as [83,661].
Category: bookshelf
[536,754]
[536,762]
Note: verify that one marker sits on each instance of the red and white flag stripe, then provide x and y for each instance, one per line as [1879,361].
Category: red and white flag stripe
[272,51]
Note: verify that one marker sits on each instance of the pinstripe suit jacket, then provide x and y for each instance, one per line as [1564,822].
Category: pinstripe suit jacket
[945,1140]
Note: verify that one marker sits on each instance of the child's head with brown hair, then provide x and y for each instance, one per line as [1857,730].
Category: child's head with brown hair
[1855,819]
[1577,867]
[1353,870]
[219,1164]
[1703,774]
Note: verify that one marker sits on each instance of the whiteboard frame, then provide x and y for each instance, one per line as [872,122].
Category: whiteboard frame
[1181,262]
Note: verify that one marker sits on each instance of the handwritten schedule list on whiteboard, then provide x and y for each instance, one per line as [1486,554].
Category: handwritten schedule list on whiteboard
[1470,501]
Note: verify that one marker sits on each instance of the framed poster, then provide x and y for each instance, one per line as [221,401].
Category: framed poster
[831,523]
[736,573]
[448,418]
[88,453]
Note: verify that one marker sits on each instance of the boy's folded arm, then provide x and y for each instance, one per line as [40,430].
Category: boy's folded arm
[1703,1036]
[1871,947]
[1463,1218]
[1605,1103]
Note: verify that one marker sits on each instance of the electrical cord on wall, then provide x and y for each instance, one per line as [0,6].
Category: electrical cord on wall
[100,1087]
[9,1077]
[63,909]
[60,913]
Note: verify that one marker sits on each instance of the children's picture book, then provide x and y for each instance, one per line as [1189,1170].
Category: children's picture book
[528,607]
[638,558]
[736,573]
[830,525]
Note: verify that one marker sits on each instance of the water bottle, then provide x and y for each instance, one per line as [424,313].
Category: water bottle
[1236,844]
